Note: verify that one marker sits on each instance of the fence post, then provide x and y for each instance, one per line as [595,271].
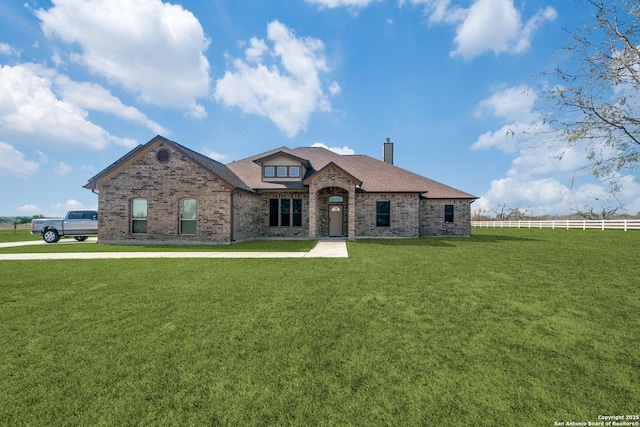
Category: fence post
[603,225]
[567,224]
[625,225]
[584,225]
[553,224]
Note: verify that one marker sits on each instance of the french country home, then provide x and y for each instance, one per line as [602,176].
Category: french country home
[165,192]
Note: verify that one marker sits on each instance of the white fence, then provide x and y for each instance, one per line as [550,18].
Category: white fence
[609,224]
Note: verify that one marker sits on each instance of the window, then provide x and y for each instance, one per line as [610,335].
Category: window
[383,213]
[188,216]
[448,213]
[273,212]
[138,216]
[297,213]
[92,215]
[285,212]
[75,215]
[336,199]
[281,171]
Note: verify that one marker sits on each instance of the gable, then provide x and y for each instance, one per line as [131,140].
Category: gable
[333,173]
[165,153]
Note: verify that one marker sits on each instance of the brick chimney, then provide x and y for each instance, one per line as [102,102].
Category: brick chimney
[387,151]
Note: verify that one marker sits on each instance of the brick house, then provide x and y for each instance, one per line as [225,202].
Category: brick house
[164,192]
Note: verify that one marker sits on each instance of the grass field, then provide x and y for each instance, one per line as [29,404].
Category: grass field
[510,327]
[18,235]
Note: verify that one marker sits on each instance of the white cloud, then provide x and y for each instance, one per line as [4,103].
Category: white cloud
[352,4]
[630,193]
[212,154]
[29,209]
[63,168]
[94,97]
[514,105]
[31,112]
[344,150]
[70,204]
[151,48]
[502,139]
[555,180]
[496,26]
[439,10]
[540,196]
[511,103]
[287,92]
[486,26]
[13,163]
[334,88]
[546,175]
[8,50]
[257,48]
[43,157]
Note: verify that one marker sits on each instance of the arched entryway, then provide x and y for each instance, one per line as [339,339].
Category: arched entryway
[333,210]
[326,188]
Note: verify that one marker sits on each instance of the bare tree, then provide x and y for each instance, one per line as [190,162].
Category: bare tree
[505,213]
[481,214]
[589,212]
[596,100]
[502,212]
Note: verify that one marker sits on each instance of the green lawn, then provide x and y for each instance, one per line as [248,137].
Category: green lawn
[509,327]
[18,235]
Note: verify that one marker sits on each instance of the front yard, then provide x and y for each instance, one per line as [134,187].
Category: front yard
[509,327]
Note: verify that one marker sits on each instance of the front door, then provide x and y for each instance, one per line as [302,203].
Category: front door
[335,220]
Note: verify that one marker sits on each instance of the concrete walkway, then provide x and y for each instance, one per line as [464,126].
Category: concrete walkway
[323,249]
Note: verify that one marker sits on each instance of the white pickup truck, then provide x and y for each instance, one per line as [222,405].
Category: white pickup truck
[78,224]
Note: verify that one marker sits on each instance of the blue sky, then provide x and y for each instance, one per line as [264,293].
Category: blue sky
[84,81]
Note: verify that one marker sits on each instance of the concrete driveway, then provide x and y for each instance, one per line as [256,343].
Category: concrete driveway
[323,249]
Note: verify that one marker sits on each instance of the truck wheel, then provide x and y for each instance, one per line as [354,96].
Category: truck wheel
[51,235]
[80,238]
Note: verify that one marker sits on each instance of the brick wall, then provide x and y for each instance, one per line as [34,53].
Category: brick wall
[404,219]
[432,221]
[163,185]
[248,216]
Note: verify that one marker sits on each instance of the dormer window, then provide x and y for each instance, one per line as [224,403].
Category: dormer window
[283,167]
[281,171]
[294,171]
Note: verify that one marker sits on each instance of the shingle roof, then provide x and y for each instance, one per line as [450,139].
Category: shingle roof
[214,166]
[376,176]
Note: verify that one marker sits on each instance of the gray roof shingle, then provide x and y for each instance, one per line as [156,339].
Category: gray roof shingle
[246,174]
[376,176]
